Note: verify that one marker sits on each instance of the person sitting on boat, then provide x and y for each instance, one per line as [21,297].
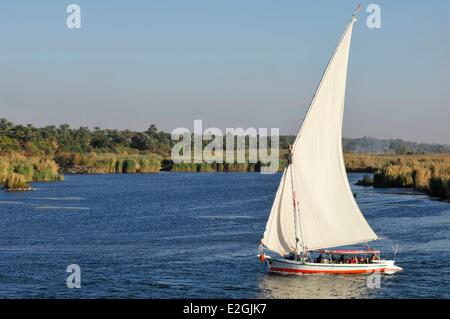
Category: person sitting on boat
[290,256]
[341,259]
[319,259]
[373,257]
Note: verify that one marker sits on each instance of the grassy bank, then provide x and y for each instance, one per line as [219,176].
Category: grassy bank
[216,167]
[425,173]
[429,174]
[238,156]
[108,163]
[17,170]
[356,162]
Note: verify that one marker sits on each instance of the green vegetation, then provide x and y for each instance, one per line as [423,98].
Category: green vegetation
[17,170]
[425,173]
[367,163]
[16,182]
[365,181]
[52,140]
[108,162]
[428,173]
[391,146]
[213,167]
[31,154]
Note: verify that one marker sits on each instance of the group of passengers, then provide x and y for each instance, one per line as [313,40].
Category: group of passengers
[344,260]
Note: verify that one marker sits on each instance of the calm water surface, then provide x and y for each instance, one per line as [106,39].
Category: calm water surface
[192,235]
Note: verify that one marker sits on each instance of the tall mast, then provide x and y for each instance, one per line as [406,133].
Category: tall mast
[297,221]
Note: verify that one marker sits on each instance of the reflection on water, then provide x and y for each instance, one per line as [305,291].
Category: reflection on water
[313,286]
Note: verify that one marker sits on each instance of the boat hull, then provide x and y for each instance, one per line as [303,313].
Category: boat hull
[295,267]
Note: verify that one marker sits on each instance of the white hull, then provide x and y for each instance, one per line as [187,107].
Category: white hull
[296,267]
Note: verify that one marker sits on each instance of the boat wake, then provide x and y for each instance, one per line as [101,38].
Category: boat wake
[62,208]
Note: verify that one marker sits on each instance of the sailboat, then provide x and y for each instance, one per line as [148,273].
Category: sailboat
[314,210]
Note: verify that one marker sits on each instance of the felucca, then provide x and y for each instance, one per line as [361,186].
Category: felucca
[314,208]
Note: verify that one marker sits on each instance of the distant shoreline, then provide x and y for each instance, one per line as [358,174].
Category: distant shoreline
[30,154]
[429,174]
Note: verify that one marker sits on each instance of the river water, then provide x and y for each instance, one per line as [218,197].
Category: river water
[196,235]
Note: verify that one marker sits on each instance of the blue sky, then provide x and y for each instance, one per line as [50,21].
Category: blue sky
[231,63]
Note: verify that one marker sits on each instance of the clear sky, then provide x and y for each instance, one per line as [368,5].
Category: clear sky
[228,62]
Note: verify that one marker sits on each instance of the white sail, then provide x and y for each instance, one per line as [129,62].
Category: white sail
[280,230]
[326,210]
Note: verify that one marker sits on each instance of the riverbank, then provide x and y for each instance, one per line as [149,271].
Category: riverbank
[430,178]
[92,163]
[425,173]
[46,153]
[18,170]
[429,174]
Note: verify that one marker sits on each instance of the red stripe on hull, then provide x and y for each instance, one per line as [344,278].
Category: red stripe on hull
[310,271]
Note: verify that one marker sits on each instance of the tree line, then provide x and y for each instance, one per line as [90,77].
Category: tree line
[50,140]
